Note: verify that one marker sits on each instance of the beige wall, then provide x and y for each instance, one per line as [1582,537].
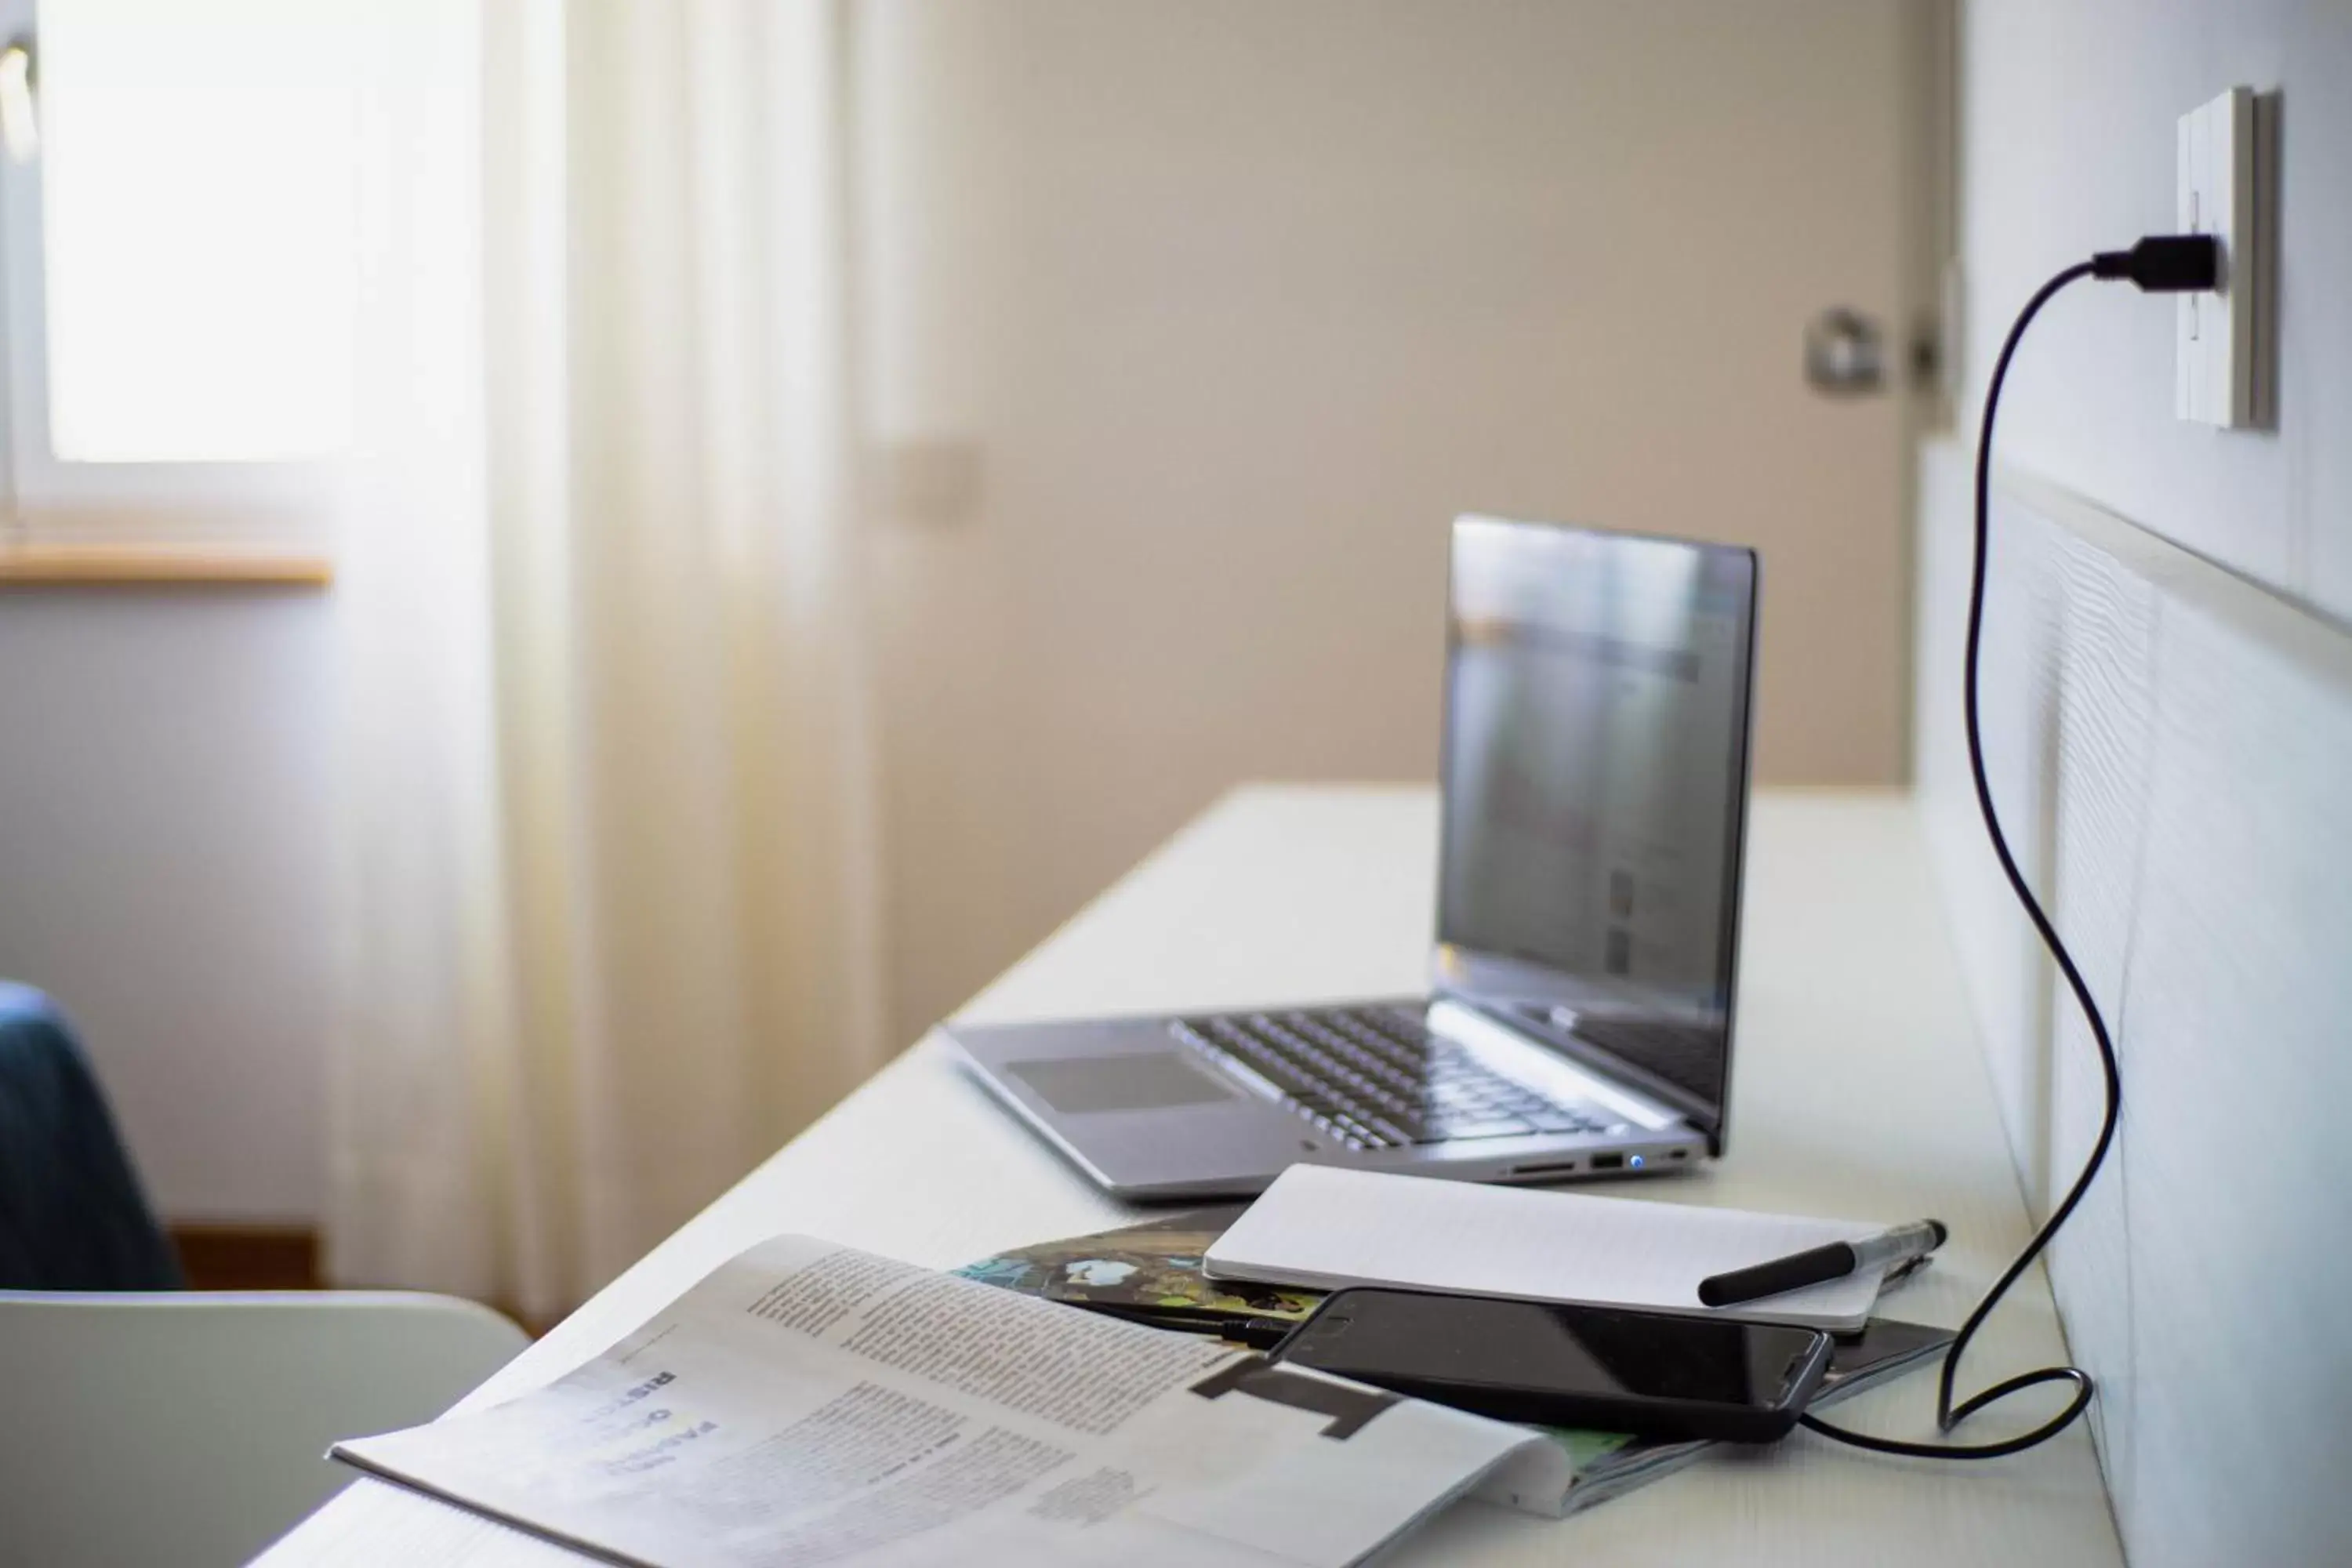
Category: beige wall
[1232,305]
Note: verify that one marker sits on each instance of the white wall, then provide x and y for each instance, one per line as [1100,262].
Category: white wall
[2168,739]
[164,835]
[2068,110]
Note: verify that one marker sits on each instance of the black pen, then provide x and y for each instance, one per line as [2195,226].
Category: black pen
[1821,1264]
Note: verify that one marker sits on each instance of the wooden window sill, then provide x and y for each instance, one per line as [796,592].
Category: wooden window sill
[159,565]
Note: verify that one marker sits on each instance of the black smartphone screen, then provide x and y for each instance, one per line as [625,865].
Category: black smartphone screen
[1528,1360]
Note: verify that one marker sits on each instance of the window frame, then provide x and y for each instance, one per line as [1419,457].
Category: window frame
[279,509]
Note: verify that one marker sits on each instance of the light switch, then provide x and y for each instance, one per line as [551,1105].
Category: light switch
[2213,369]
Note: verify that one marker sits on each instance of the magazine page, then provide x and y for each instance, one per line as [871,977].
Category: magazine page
[809,1404]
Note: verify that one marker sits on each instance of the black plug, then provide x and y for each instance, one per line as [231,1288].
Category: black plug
[2165,263]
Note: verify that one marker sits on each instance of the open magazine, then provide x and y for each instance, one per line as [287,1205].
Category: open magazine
[808,1403]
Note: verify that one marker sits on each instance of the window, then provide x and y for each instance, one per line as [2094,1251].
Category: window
[178,227]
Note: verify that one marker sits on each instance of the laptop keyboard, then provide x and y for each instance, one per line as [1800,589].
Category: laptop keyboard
[1373,1077]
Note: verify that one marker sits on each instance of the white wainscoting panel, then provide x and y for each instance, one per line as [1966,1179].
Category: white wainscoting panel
[2171,750]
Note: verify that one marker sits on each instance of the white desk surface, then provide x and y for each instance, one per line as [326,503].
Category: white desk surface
[1858,1090]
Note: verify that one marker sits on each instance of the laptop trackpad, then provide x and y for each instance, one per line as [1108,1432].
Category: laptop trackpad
[1147,1080]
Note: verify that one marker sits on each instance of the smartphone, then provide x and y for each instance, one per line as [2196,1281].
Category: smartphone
[1656,1375]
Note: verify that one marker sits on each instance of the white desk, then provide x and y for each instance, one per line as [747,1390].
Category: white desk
[1858,1090]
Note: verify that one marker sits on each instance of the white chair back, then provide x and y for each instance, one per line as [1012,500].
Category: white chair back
[192,1427]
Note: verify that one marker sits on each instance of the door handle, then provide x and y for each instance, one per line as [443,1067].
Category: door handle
[1845,354]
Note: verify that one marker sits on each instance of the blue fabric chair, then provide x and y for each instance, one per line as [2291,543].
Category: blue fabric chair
[72,1215]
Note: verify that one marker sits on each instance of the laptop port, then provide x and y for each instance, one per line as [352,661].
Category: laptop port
[1609,1161]
[1557,1168]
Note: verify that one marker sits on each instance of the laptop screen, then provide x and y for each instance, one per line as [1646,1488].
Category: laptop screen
[1595,786]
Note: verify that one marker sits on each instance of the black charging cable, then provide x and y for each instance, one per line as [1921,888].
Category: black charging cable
[2160,264]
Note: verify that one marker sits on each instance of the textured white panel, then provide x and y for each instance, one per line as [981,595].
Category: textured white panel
[2170,747]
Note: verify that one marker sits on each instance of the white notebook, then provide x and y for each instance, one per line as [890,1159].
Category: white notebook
[1322,1227]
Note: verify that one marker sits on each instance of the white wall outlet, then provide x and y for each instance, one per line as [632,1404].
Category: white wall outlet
[2214,360]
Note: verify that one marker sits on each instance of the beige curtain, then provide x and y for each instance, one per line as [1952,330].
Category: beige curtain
[611,818]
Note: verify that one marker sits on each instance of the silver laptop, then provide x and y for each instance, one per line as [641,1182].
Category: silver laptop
[1597,694]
